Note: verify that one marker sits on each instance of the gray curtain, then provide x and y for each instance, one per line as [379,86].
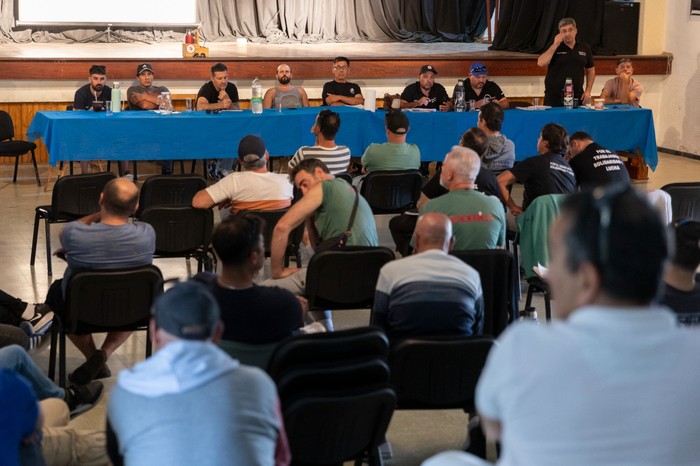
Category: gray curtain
[294,21]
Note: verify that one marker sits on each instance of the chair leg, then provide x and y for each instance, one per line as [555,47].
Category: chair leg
[547,305]
[34,238]
[36,169]
[136,173]
[14,178]
[52,354]
[182,167]
[149,343]
[62,359]
[48,246]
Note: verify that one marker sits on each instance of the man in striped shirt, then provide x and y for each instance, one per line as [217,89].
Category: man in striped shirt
[336,158]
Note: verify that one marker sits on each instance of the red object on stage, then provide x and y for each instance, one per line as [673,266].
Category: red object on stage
[189,38]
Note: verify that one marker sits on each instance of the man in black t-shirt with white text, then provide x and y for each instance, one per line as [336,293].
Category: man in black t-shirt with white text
[593,164]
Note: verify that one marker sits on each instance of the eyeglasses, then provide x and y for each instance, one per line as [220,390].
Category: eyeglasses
[604,200]
[341,67]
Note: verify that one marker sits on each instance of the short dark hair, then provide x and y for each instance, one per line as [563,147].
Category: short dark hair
[580,136]
[345,59]
[118,202]
[219,67]
[308,165]
[98,69]
[687,235]
[236,237]
[557,137]
[492,114]
[476,140]
[631,261]
[328,123]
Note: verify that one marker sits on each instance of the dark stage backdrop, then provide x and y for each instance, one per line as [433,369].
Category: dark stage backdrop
[530,25]
[290,21]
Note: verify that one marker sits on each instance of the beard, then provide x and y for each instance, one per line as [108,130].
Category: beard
[284,80]
[98,87]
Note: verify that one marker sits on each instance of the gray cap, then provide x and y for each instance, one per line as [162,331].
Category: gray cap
[188,311]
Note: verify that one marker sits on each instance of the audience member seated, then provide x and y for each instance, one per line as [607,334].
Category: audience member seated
[547,173]
[623,89]
[429,293]
[340,91]
[21,421]
[480,89]
[250,313]
[612,381]
[396,153]
[190,403]
[426,93]
[285,95]
[500,152]
[593,164]
[104,240]
[682,283]
[336,158]
[254,188]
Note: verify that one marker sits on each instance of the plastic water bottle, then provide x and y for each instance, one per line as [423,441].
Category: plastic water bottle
[256,103]
[569,93]
[116,97]
[460,104]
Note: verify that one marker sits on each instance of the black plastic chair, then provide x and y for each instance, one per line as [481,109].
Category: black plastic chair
[498,275]
[345,278]
[169,191]
[182,232]
[392,191]
[344,176]
[685,200]
[104,301]
[13,148]
[271,218]
[73,197]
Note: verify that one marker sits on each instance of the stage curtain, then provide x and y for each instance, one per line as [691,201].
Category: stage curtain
[530,25]
[293,21]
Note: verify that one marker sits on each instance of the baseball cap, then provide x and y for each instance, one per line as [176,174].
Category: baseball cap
[251,149]
[397,122]
[187,311]
[478,69]
[144,67]
[426,68]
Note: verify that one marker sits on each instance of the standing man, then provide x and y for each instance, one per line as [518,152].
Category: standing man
[480,89]
[426,93]
[218,94]
[335,157]
[623,89]
[94,90]
[340,91]
[144,96]
[566,58]
[593,164]
[287,95]
[190,403]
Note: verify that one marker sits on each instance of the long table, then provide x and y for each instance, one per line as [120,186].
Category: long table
[134,135]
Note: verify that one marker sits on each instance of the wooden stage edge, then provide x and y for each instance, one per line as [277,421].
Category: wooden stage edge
[498,63]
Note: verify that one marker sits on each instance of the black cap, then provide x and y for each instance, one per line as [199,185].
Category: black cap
[428,68]
[397,122]
[144,67]
[251,149]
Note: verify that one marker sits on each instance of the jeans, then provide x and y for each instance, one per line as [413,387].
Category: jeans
[16,359]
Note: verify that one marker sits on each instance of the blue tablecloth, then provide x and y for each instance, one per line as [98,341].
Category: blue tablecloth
[137,135]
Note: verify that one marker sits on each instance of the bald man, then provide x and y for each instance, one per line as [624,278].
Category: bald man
[284,94]
[429,293]
[478,220]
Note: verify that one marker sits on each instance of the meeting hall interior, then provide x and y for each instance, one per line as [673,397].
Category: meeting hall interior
[47,49]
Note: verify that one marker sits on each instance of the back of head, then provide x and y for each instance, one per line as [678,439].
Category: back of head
[476,140]
[557,138]
[433,231]
[397,122]
[236,237]
[580,136]
[251,152]
[328,123]
[464,162]
[187,311]
[621,235]
[492,114]
[308,165]
[120,197]
[687,236]
[218,67]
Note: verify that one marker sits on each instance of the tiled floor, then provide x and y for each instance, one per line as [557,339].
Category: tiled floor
[414,435]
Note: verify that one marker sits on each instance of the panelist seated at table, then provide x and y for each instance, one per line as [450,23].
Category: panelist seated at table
[340,91]
[480,89]
[254,188]
[623,89]
[426,93]
[218,94]
[285,95]
[335,157]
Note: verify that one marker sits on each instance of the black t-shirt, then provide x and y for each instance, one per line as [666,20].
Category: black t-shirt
[686,304]
[597,166]
[485,183]
[84,97]
[437,95]
[544,174]
[346,89]
[566,63]
[211,93]
[490,89]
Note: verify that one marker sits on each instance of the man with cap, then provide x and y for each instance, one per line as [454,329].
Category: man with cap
[396,153]
[190,403]
[480,89]
[426,93]
[144,96]
[254,188]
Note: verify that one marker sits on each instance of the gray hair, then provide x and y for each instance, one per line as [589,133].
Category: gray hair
[566,21]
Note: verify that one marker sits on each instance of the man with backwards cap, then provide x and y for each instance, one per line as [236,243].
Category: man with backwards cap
[254,188]
[426,93]
[396,153]
[190,403]
[478,88]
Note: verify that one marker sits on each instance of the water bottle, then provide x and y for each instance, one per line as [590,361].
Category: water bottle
[256,103]
[116,98]
[165,103]
[569,94]
[460,104]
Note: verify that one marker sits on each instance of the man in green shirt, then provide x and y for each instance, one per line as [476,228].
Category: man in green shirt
[396,153]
